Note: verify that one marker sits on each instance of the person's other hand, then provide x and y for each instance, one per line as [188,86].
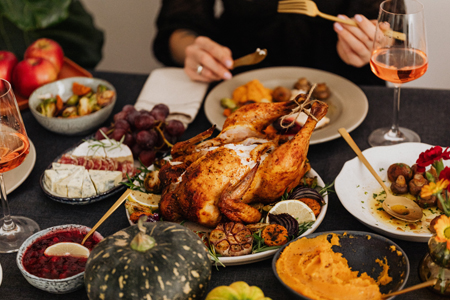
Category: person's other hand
[207,61]
[355,44]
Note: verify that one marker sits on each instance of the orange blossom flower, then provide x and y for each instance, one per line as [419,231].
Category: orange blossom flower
[442,228]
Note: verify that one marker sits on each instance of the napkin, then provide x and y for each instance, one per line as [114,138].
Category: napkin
[174,88]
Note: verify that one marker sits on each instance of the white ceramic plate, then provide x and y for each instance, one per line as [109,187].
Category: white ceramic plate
[355,186]
[348,104]
[251,258]
[15,177]
[1,275]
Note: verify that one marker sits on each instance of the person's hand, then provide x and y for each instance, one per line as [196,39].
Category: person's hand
[355,44]
[207,61]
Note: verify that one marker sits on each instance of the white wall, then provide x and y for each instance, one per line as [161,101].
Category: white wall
[129,27]
[437,20]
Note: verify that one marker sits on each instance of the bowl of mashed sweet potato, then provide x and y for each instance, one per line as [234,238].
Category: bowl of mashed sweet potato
[341,265]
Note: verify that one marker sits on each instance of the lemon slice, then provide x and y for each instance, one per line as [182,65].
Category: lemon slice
[297,209]
[150,200]
[67,249]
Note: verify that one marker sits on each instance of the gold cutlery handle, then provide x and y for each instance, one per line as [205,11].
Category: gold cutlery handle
[361,156]
[107,214]
[411,288]
[336,19]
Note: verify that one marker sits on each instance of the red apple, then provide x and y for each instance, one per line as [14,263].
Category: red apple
[47,49]
[31,73]
[7,63]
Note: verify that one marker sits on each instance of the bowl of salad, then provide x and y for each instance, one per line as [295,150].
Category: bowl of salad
[73,106]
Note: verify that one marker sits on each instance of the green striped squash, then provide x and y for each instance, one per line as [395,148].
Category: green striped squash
[151,260]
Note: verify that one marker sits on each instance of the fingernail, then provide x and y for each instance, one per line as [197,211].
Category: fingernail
[358,18]
[228,64]
[227,75]
[341,17]
[338,26]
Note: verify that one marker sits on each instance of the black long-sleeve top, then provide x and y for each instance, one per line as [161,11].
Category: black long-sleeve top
[244,25]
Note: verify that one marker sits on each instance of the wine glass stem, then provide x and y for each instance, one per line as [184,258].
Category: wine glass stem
[395,131]
[8,223]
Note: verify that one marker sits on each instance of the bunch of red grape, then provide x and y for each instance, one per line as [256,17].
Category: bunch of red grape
[146,132]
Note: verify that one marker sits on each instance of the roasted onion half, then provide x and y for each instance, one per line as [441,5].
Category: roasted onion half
[285,220]
[306,192]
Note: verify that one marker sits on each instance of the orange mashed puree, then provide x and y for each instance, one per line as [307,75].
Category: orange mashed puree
[310,267]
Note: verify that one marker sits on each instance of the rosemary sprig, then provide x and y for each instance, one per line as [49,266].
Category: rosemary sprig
[215,257]
[259,245]
[327,189]
[97,144]
[303,227]
[211,250]
[137,183]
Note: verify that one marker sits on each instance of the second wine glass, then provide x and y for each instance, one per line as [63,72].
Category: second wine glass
[399,55]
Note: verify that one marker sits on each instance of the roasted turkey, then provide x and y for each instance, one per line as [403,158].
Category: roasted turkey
[214,180]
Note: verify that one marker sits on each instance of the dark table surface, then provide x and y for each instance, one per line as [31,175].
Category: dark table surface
[423,110]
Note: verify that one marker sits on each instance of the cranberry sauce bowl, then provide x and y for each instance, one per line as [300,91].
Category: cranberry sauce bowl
[55,274]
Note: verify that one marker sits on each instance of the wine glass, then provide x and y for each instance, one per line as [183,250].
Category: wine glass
[398,56]
[14,147]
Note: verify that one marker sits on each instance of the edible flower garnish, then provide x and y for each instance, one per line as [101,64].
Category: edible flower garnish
[439,246]
[433,156]
[434,188]
[442,228]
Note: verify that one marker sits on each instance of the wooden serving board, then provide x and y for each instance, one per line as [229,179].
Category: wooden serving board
[69,69]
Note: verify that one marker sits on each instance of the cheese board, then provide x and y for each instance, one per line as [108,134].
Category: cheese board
[89,172]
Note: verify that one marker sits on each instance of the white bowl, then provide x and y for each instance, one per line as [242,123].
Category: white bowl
[355,187]
[55,286]
[71,126]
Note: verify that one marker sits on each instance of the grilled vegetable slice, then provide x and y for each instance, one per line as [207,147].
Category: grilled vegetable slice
[275,235]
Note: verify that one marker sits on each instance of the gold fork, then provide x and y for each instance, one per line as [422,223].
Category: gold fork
[309,8]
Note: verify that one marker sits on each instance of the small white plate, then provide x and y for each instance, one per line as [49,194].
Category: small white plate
[15,177]
[251,258]
[1,275]
[355,186]
[347,105]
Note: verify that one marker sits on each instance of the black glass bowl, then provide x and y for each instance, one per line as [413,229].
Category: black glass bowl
[361,253]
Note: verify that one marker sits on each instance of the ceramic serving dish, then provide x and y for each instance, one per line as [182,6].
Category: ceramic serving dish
[71,126]
[361,249]
[55,286]
[356,187]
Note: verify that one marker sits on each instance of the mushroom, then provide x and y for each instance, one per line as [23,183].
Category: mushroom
[321,92]
[433,172]
[414,169]
[302,84]
[399,169]
[415,185]
[399,186]
[281,94]
[427,202]
[432,223]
